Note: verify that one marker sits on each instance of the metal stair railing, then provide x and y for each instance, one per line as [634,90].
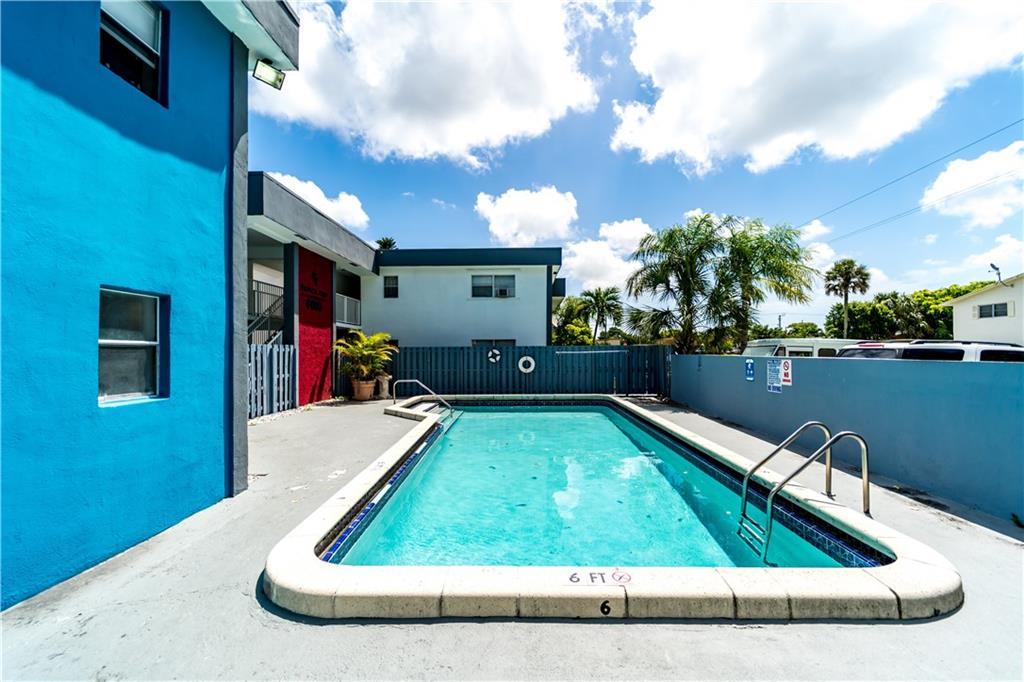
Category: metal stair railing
[749,530]
[865,482]
[261,323]
[451,410]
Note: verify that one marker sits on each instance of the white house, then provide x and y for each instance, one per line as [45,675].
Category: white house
[992,313]
[298,257]
[463,297]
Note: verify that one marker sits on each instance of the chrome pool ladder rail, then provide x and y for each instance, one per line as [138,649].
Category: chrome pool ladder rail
[451,410]
[865,481]
[394,393]
[750,530]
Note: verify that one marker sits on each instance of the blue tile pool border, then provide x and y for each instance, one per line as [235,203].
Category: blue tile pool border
[357,522]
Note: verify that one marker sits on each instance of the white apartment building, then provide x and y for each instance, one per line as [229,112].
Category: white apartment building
[992,313]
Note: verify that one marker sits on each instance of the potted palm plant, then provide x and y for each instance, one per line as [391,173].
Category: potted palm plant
[364,359]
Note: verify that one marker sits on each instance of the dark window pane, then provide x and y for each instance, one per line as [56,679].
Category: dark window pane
[933,354]
[127,371]
[826,352]
[869,353]
[1002,355]
[127,317]
[483,286]
[390,286]
[129,57]
[985,311]
[505,285]
[999,310]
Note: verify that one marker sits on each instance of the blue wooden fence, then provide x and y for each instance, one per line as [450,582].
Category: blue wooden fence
[558,369]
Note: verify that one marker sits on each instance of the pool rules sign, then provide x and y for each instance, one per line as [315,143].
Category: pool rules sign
[780,373]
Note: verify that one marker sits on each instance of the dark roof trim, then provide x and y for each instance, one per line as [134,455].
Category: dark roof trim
[274,201]
[496,256]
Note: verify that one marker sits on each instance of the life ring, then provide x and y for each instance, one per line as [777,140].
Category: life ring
[493,355]
[527,364]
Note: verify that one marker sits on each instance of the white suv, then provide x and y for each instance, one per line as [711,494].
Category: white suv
[957,351]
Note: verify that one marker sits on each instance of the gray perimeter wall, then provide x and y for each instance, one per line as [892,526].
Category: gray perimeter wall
[952,429]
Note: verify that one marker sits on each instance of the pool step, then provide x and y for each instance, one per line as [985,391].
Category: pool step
[751,532]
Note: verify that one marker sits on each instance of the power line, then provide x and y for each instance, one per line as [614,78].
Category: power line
[920,207]
[907,175]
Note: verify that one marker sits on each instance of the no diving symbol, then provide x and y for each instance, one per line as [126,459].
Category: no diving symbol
[621,577]
[493,355]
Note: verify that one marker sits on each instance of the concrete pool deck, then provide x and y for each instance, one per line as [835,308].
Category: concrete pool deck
[187,602]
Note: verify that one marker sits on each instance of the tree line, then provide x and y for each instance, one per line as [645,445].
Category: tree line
[705,280]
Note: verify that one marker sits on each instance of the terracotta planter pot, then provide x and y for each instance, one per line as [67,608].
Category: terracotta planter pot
[362,390]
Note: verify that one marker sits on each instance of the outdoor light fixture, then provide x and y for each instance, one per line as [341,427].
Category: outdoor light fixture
[999,275]
[264,71]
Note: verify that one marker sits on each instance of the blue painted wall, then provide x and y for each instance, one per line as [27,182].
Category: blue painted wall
[104,186]
[952,429]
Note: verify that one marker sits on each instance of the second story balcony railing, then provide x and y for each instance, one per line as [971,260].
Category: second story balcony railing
[348,310]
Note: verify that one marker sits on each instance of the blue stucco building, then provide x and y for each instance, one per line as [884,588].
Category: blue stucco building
[124,165]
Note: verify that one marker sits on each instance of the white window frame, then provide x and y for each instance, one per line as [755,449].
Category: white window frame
[128,343]
[494,289]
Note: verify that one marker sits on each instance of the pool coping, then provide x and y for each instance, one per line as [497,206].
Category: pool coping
[919,583]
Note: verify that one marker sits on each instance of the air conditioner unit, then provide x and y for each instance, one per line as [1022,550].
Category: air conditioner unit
[503,293]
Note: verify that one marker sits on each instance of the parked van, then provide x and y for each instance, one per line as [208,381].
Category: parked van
[923,349]
[796,348]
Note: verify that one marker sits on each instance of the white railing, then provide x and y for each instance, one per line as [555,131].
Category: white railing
[347,310]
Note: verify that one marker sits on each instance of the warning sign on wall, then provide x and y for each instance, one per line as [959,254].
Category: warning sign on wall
[774,375]
[787,372]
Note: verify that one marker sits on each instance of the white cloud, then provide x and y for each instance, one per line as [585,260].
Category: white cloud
[934,262]
[523,217]
[990,204]
[1008,254]
[442,204]
[345,208]
[623,236]
[609,60]
[843,79]
[821,256]
[930,239]
[408,195]
[694,213]
[813,230]
[428,80]
[605,262]
[594,263]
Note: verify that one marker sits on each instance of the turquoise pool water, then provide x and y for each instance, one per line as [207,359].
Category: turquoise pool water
[562,486]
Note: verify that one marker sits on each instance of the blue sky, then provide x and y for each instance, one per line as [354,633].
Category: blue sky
[413,167]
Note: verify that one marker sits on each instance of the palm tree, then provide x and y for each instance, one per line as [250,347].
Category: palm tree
[602,304]
[677,268]
[908,315]
[570,324]
[386,244]
[758,261]
[847,276]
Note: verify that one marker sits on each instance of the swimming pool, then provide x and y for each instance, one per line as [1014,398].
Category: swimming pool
[571,485]
[586,507]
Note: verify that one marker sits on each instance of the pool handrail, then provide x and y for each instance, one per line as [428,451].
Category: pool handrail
[865,481]
[394,393]
[782,446]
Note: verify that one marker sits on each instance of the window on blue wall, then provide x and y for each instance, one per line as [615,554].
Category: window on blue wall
[130,345]
[131,34]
